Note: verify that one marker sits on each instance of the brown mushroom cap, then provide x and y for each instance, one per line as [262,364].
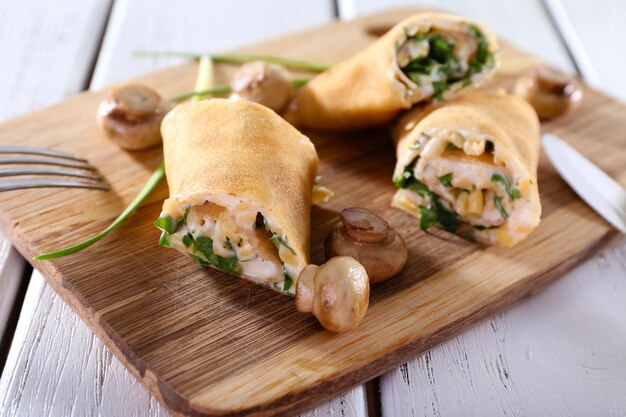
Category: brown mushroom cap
[370,240]
[363,225]
[263,83]
[131,116]
[337,293]
[551,92]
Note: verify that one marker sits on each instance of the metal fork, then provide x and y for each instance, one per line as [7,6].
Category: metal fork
[57,164]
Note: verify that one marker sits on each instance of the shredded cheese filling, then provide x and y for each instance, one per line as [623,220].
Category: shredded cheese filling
[233,234]
[459,169]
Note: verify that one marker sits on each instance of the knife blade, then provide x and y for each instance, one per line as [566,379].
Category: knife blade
[594,186]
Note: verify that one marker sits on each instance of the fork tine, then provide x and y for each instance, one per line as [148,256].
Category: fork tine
[42,161]
[48,182]
[45,171]
[38,151]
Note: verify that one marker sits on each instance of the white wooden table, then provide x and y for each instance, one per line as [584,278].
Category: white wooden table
[560,352]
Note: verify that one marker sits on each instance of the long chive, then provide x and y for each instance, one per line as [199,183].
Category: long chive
[205,76]
[300,82]
[220,89]
[204,81]
[225,89]
[230,58]
[154,180]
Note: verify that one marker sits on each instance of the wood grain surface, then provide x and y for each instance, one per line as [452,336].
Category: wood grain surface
[204,343]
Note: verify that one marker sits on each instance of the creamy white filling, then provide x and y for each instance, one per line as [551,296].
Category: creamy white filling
[230,222]
[471,190]
[259,269]
[470,183]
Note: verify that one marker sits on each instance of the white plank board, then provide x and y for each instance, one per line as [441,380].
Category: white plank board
[594,33]
[524,23]
[47,52]
[560,353]
[57,367]
[197,26]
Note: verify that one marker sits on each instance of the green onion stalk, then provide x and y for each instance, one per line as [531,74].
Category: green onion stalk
[204,81]
[294,64]
[147,189]
[224,89]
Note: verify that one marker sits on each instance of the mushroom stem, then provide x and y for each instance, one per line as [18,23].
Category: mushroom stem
[337,293]
[305,289]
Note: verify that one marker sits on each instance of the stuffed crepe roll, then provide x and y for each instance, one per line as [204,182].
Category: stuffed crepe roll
[240,181]
[430,56]
[470,165]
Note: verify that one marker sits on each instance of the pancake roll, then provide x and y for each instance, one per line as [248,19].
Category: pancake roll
[426,57]
[470,166]
[240,180]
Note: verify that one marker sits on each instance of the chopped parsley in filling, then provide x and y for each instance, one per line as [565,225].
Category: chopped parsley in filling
[459,192]
[435,212]
[212,237]
[436,61]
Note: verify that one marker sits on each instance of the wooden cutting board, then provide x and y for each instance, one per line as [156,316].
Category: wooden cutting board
[205,343]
